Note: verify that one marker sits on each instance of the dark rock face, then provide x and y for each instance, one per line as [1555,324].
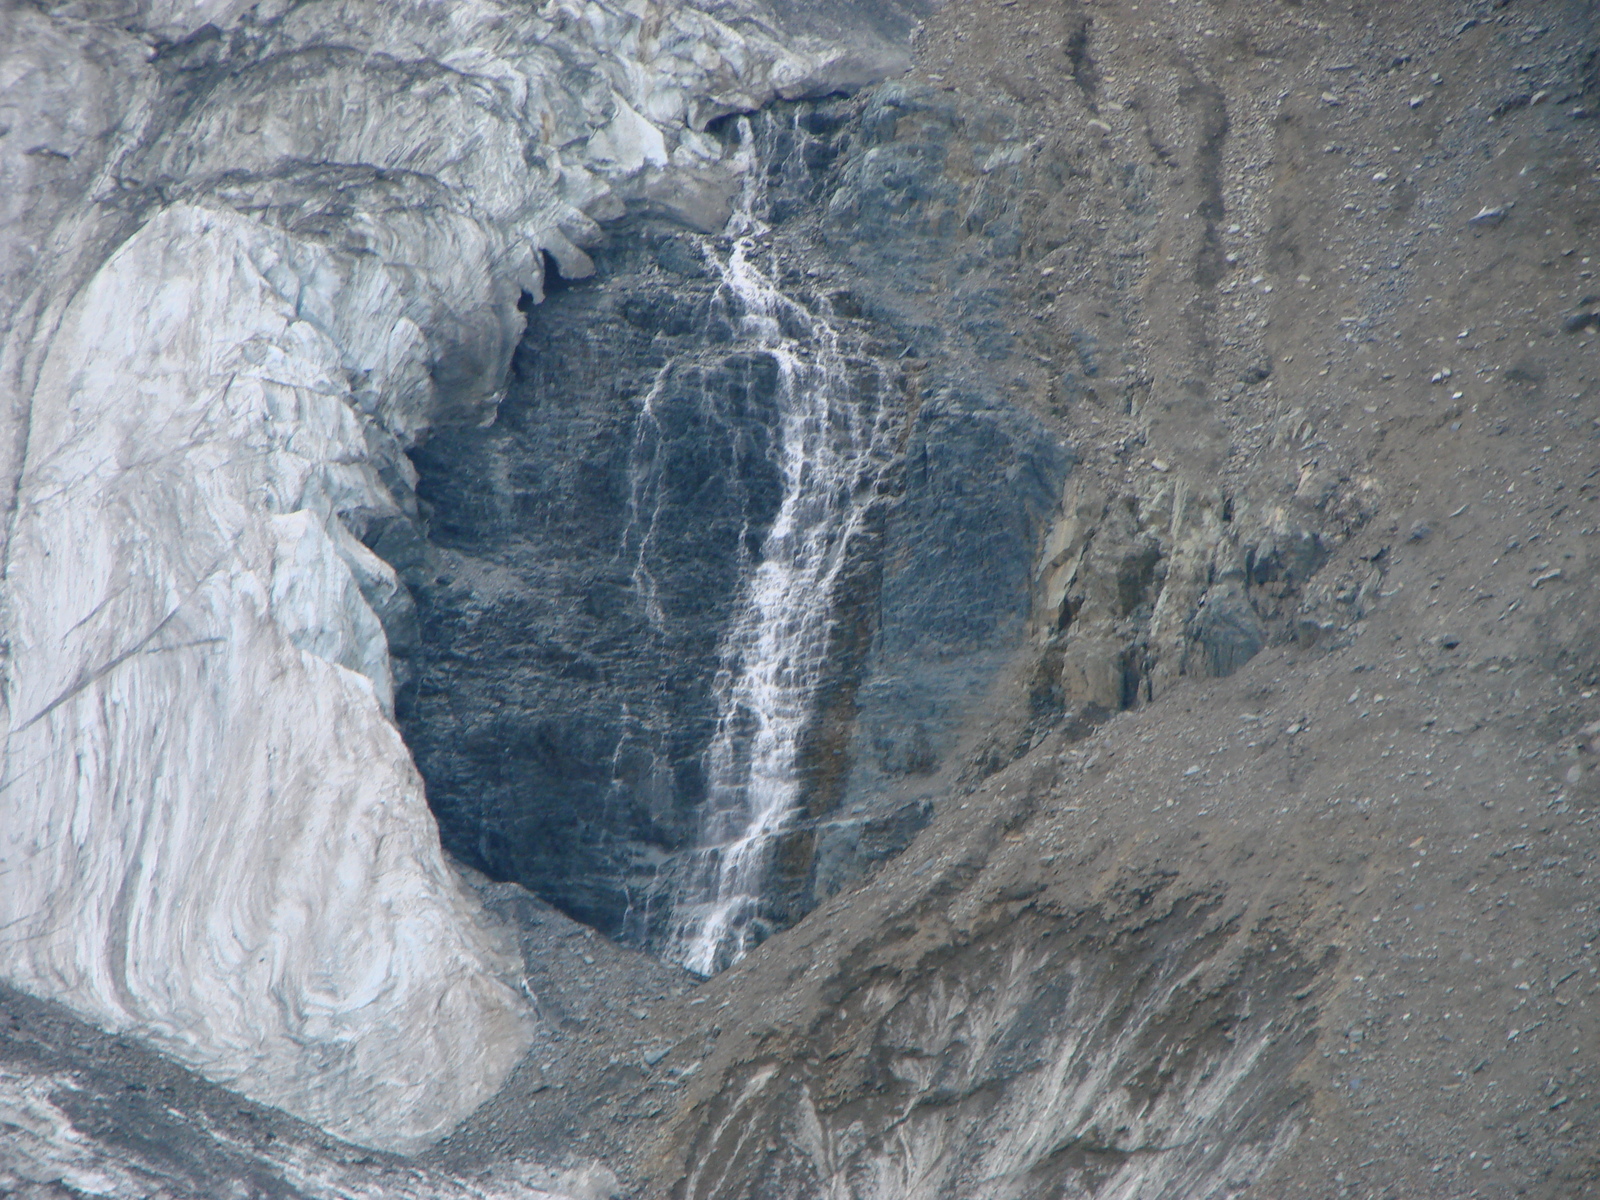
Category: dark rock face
[590,546]
[1228,630]
[982,473]
[587,552]
[979,477]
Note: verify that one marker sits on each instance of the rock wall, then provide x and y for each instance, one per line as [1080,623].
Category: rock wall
[578,563]
[1266,868]
[581,560]
[259,250]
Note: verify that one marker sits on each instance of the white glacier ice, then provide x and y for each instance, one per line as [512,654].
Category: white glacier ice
[249,253]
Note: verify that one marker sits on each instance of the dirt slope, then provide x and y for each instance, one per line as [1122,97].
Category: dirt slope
[1325,926]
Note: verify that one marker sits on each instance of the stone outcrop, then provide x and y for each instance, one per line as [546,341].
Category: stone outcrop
[582,560]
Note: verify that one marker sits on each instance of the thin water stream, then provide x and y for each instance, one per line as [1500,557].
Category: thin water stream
[832,449]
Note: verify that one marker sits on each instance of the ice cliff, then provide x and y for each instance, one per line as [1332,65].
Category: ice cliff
[249,254]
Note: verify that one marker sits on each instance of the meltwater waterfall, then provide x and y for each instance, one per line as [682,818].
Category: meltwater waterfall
[832,450]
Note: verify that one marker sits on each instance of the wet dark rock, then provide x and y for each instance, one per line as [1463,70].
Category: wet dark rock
[563,692]
[586,552]
[679,256]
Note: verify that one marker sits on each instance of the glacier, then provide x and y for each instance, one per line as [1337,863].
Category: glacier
[249,255]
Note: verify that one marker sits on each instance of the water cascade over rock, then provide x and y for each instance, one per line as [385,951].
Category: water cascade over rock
[660,583]
[832,455]
[259,253]
[703,612]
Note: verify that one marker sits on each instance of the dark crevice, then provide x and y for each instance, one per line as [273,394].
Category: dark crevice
[1084,72]
[554,280]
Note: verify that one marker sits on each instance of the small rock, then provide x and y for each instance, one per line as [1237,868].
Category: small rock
[680,257]
[1191,771]
[1440,376]
[1416,101]
[652,1057]
[1331,100]
[1490,216]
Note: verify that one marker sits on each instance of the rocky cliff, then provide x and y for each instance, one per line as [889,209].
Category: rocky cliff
[587,556]
[1067,547]
[253,254]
